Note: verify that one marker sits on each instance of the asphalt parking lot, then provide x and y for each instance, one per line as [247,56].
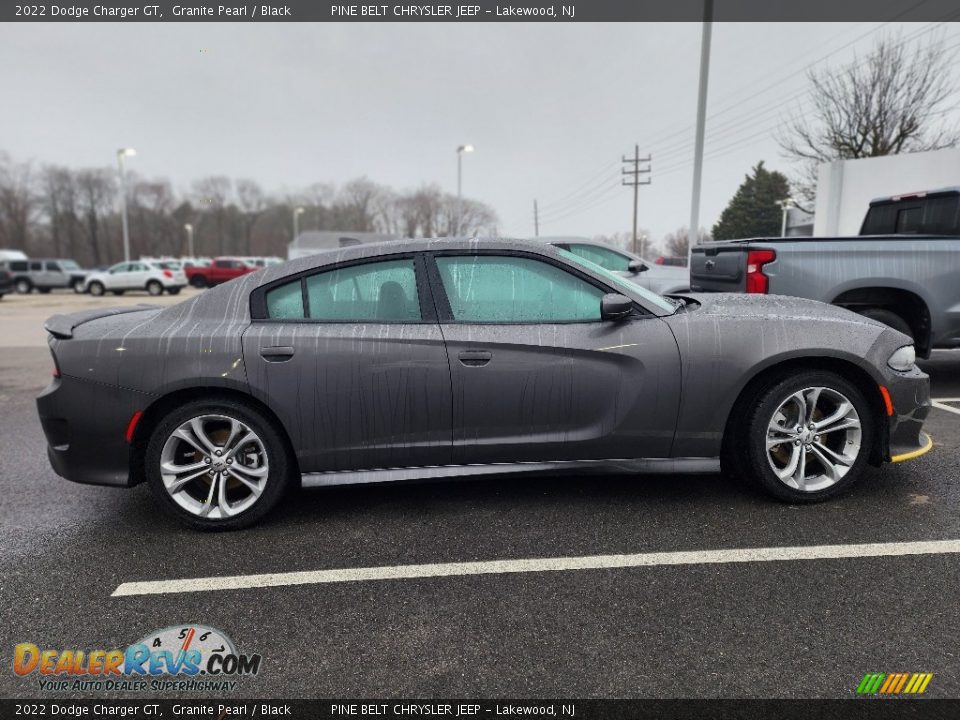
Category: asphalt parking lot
[798,628]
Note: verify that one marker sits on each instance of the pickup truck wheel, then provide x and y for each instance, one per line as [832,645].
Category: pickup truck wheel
[888,317]
[23,286]
[198,281]
[154,288]
[96,288]
[77,286]
[808,437]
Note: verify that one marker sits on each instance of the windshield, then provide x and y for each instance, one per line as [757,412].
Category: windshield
[619,282]
[69,265]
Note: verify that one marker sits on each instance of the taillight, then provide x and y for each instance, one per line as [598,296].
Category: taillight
[757,282]
[167,274]
[56,367]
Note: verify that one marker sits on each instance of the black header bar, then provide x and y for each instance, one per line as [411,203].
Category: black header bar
[480,11]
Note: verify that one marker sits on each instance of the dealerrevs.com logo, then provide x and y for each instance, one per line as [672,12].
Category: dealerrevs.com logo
[176,658]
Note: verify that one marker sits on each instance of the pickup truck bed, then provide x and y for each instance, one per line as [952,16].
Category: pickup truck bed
[911,282]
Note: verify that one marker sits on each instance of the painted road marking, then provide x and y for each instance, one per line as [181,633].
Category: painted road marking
[941,404]
[493,567]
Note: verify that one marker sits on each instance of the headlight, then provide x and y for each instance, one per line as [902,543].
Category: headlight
[903,359]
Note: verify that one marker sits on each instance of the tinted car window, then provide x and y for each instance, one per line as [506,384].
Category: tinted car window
[375,291]
[495,289]
[53,267]
[122,267]
[605,258]
[19,266]
[36,266]
[286,301]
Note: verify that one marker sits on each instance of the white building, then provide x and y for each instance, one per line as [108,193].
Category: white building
[846,187]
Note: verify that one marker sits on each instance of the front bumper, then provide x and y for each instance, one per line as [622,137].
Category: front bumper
[910,397]
[85,425]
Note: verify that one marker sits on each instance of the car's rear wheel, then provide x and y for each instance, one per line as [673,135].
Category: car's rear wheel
[23,286]
[96,288]
[198,281]
[154,288]
[217,464]
[808,437]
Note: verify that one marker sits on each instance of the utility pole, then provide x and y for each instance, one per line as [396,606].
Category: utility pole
[536,219]
[636,172]
[693,234]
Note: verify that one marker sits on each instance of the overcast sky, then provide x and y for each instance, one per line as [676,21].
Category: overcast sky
[550,107]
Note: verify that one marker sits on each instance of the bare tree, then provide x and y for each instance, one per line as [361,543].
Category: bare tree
[18,202]
[252,203]
[95,193]
[891,101]
[677,243]
[58,199]
[212,194]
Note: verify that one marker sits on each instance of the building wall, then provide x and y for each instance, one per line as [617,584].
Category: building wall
[846,187]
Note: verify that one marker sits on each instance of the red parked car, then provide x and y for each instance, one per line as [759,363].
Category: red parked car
[219,271]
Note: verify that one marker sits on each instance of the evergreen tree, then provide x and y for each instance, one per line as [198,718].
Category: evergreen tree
[754,210]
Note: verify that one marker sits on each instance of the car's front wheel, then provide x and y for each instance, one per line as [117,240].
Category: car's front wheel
[23,287]
[808,437]
[154,288]
[96,288]
[217,464]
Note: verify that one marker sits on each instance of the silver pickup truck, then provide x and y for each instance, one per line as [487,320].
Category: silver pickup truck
[903,269]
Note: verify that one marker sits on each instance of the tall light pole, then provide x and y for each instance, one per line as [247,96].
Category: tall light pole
[121,154]
[460,151]
[785,206]
[189,228]
[297,212]
[693,234]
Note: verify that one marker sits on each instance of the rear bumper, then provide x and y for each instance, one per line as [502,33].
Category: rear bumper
[85,425]
[910,395]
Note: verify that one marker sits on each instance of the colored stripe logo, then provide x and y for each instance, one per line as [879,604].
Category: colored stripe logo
[894,683]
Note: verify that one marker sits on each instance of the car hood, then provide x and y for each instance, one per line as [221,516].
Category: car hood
[740,306]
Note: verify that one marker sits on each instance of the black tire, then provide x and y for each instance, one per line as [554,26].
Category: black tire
[23,286]
[1,296]
[118,292]
[155,288]
[198,281]
[77,286]
[280,465]
[888,317]
[750,446]
[174,291]
[96,288]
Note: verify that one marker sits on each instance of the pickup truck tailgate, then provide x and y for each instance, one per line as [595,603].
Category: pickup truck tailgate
[718,268]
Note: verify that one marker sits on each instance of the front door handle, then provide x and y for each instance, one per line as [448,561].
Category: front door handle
[475,358]
[276,353]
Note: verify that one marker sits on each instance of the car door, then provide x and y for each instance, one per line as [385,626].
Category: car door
[138,276]
[352,361]
[116,277]
[538,376]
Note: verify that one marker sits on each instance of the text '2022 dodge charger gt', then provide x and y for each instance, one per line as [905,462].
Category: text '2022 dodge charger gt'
[432,358]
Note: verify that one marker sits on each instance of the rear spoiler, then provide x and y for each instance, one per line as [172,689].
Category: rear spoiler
[62,326]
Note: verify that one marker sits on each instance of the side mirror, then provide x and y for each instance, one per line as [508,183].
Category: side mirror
[636,266]
[615,307]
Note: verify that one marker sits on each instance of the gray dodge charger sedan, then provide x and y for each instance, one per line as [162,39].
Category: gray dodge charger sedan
[435,358]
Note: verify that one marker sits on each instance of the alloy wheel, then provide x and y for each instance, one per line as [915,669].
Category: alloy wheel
[814,438]
[214,466]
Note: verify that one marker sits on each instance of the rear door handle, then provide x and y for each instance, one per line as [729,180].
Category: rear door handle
[276,353]
[475,358]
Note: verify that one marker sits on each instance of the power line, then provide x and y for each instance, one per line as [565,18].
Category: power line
[635,172]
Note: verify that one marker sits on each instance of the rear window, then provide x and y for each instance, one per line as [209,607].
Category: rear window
[918,216]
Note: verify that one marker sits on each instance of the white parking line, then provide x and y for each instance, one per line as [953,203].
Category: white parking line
[940,404]
[492,567]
